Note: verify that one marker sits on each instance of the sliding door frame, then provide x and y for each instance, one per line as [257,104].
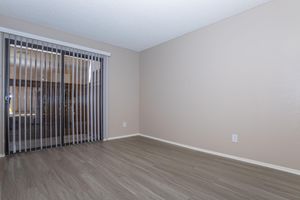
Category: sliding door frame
[6,105]
[2,95]
[6,79]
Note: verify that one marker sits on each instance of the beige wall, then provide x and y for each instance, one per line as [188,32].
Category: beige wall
[123,76]
[241,76]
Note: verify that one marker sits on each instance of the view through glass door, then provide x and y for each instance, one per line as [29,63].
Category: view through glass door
[54,95]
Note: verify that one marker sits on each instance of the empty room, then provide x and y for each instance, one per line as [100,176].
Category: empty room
[150,100]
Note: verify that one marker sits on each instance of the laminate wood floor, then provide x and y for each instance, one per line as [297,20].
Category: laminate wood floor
[138,168]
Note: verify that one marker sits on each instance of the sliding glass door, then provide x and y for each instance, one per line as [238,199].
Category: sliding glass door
[83,81]
[54,95]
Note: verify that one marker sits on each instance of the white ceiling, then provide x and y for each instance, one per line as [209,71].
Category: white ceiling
[133,24]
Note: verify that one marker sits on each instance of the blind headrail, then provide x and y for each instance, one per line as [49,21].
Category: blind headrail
[49,40]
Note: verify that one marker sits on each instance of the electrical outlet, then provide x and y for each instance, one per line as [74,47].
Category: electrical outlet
[124,124]
[235,138]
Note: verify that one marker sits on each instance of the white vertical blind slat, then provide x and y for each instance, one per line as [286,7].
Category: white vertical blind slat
[88,100]
[41,97]
[30,100]
[14,96]
[19,98]
[25,97]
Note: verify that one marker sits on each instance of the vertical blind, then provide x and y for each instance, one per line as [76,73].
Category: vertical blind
[54,95]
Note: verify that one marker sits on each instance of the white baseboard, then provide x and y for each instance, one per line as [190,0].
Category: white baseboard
[2,155]
[246,160]
[121,137]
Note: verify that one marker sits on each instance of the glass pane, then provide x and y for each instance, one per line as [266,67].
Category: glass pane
[68,76]
[34,97]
